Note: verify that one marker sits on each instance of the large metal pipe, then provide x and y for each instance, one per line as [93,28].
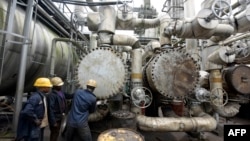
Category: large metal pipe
[108,19]
[136,70]
[126,40]
[222,55]
[149,50]
[203,123]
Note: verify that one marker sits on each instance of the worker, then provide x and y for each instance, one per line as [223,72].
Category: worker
[57,107]
[33,117]
[84,103]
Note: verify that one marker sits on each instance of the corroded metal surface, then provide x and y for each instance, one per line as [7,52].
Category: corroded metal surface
[238,78]
[106,67]
[173,73]
[120,134]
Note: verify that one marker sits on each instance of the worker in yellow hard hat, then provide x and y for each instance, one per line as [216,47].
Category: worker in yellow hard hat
[84,103]
[57,107]
[33,116]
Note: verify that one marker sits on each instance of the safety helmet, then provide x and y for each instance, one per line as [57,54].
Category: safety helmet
[91,82]
[56,81]
[42,82]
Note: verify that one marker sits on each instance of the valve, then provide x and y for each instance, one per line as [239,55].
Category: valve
[141,97]
[216,98]
[221,9]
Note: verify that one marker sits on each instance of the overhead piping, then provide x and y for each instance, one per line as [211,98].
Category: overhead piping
[83,3]
[58,13]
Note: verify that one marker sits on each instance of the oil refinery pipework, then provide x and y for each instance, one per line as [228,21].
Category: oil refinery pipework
[159,82]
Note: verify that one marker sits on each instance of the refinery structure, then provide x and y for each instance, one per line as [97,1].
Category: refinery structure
[180,70]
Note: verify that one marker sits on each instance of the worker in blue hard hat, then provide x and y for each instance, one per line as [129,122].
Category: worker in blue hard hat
[33,116]
[84,103]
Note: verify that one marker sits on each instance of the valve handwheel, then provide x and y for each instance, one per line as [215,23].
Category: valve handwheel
[218,100]
[222,9]
[141,97]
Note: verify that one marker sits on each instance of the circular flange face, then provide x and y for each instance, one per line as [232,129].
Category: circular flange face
[173,73]
[238,78]
[106,67]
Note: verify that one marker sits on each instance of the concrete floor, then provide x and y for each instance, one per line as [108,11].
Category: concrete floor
[216,135]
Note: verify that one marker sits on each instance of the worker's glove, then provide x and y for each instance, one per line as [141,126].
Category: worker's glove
[38,122]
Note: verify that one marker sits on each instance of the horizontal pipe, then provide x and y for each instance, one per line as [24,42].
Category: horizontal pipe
[126,40]
[204,123]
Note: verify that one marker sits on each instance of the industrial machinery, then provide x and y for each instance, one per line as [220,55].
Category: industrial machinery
[176,72]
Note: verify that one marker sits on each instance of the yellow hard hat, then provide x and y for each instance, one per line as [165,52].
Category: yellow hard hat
[91,82]
[56,81]
[42,82]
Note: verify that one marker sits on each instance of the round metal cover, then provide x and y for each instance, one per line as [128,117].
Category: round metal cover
[239,79]
[106,67]
[120,134]
[173,73]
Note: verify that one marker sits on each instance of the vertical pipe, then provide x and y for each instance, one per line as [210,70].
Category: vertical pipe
[52,57]
[136,75]
[93,41]
[215,79]
[191,44]
[24,54]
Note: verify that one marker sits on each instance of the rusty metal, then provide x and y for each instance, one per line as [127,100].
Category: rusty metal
[238,78]
[173,73]
[120,134]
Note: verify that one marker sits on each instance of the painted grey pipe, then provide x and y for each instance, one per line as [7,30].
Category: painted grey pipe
[22,70]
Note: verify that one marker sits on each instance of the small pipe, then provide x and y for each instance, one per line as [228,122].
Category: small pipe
[53,21]
[52,60]
[235,38]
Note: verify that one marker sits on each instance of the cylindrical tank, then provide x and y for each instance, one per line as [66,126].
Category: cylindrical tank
[39,53]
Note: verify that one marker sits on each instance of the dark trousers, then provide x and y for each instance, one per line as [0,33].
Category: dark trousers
[78,134]
[30,138]
[54,131]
